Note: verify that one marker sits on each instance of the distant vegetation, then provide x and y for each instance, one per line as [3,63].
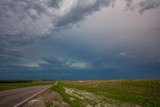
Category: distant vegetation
[117,92]
[13,84]
[15,81]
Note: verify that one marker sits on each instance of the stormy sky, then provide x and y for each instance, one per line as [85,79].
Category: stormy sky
[66,38]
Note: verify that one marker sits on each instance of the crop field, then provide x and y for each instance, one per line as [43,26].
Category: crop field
[115,93]
[14,84]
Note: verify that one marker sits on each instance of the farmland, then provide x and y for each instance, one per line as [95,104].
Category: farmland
[121,93]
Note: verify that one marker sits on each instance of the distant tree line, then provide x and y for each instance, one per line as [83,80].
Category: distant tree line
[15,81]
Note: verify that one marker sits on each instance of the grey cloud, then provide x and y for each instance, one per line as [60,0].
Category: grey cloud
[143,5]
[80,9]
[129,4]
[13,60]
[8,58]
[148,4]
[22,21]
[28,19]
[54,3]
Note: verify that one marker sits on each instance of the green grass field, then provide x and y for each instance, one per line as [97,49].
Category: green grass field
[123,93]
[110,93]
[13,84]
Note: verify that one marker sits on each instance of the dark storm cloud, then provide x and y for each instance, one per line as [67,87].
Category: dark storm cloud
[8,59]
[24,20]
[149,4]
[21,20]
[79,10]
[143,5]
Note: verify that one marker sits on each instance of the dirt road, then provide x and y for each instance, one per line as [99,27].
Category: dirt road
[12,97]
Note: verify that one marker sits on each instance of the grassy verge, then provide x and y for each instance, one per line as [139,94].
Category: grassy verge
[142,92]
[49,104]
[71,100]
[13,84]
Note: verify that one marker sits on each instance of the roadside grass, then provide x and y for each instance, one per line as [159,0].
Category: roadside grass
[49,104]
[142,92]
[78,98]
[14,84]
[71,100]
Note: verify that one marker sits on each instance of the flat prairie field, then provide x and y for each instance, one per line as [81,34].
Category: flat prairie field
[93,93]
[110,93]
